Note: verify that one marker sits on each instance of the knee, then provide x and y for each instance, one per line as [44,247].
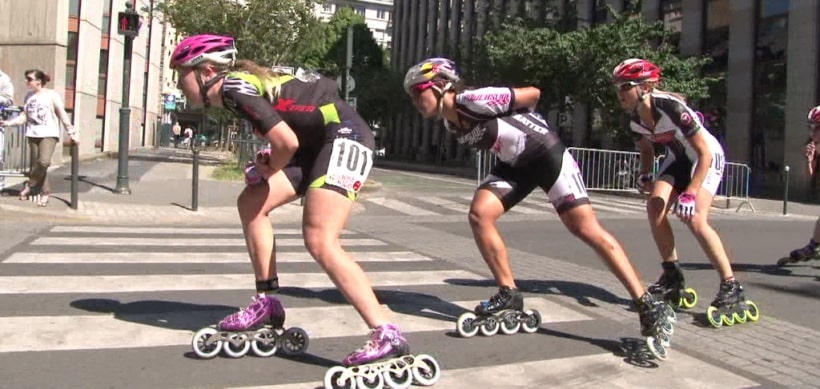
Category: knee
[42,164]
[699,226]
[655,209]
[479,219]
[248,205]
[317,242]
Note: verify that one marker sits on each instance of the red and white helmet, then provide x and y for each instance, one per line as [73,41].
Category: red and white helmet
[429,70]
[814,115]
[197,49]
[636,70]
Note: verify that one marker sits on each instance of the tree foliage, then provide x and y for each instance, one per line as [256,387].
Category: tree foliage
[576,66]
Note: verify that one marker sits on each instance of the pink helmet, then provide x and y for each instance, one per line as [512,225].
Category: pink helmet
[198,49]
[636,70]
[814,115]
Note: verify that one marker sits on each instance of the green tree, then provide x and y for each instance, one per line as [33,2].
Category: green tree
[577,65]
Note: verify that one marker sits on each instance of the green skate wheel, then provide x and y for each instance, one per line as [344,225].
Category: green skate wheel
[689,299]
[739,317]
[713,316]
[752,313]
[728,320]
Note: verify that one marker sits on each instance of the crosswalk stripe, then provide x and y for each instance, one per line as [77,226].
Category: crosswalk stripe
[596,205]
[445,203]
[623,203]
[401,206]
[171,282]
[49,333]
[198,257]
[209,242]
[573,372]
[168,230]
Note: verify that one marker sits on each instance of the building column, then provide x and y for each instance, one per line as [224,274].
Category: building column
[801,88]
[651,10]
[740,81]
[691,38]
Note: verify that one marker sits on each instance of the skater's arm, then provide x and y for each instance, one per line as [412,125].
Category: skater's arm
[283,144]
[647,155]
[810,151]
[526,98]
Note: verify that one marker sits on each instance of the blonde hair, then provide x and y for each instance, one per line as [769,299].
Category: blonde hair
[270,78]
[653,85]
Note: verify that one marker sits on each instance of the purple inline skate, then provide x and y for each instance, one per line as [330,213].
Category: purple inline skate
[804,254]
[259,327]
[384,361]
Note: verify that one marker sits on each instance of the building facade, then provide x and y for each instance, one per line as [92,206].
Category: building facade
[77,44]
[768,51]
[377,14]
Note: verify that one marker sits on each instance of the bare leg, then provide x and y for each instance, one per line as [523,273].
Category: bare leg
[656,209]
[485,209]
[707,236]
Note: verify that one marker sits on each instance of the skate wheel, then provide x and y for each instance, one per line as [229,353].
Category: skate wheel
[426,370]
[490,327]
[295,341]
[236,346]
[264,343]
[784,261]
[510,324]
[206,343]
[689,299]
[670,313]
[665,339]
[398,375]
[657,348]
[466,325]
[372,380]
[338,377]
[713,316]
[667,328]
[532,322]
[739,317]
[728,320]
[752,313]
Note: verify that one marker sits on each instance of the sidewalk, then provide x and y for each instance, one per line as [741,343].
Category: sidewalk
[160,180]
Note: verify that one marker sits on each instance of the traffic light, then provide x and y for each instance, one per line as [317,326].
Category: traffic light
[128,23]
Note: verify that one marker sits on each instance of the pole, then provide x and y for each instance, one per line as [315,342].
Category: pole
[786,190]
[75,175]
[349,62]
[125,114]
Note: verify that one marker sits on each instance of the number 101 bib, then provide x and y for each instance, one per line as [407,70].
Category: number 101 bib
[349,165]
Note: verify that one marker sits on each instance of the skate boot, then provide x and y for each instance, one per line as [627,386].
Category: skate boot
[384,361]
[257,327]
[657,324]
[803,254]
[504,311]
[672,288]
[731,306]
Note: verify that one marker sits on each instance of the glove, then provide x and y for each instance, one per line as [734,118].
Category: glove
[263,156]
[685,207]
[252,176]
[645,182]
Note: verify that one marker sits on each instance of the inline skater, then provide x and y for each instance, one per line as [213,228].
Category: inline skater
[320,149]
[531,155]
[691,171]
[811,250]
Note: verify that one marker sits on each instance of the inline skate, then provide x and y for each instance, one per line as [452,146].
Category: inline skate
[258,327]
[672,288]
[657,324]
[383,362]
[731,306]
[504,311]
[803,254]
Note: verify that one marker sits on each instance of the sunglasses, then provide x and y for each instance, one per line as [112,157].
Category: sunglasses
[626,86]
[418,88]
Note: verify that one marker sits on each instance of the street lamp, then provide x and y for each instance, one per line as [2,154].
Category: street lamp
[128,25]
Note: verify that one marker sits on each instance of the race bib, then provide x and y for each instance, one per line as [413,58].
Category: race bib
[349,165]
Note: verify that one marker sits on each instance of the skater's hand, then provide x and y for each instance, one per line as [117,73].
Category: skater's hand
[252,175]
[262,163]
[685,207]
[645,183]
[810,151]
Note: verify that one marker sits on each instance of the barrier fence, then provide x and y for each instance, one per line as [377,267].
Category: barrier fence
[246,149]
[618,171]
[13,146]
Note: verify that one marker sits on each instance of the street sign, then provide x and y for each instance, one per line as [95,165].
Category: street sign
[351,83]
[128,23]
[170,102]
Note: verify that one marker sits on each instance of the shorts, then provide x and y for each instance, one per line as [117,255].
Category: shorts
[678,172]
[556,173]
[342,163]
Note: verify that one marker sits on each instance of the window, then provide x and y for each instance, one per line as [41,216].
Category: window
[74,8]
[360,11]
[106,18]
[717,19]
[381,14]
[631,6]
[103,73]
[327,8]
[599,12]
[672,17]
[71,61]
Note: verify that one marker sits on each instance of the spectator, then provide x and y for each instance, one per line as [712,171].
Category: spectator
[6,100]
[176,129]
[42,109]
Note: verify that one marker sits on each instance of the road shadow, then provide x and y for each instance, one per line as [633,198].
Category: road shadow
[748,268]
[584,294]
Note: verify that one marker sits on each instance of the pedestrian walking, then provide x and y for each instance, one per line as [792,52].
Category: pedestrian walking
[685,184]
[176,129]
[43,112]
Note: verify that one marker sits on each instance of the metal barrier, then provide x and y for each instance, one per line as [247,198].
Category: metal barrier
[484,162]
[735,184]
[13,146]
[246,149]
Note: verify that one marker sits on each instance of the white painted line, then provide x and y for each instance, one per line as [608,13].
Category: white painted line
[186,257]
[599,206]
[628,204]
[401,206]
[48,333]
[168,230]
[451,180]
[208,282]
[445,203]
[681,371]
[187,242]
